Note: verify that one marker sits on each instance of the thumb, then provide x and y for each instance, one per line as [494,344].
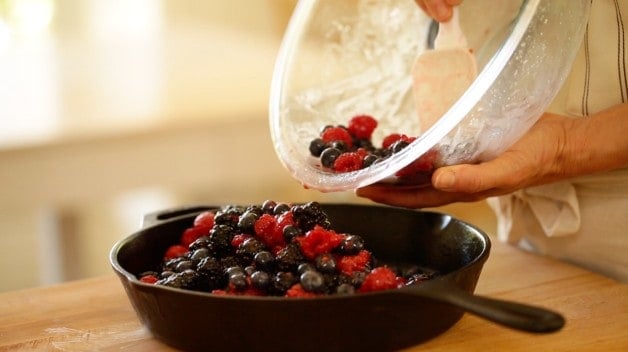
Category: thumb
[476,178]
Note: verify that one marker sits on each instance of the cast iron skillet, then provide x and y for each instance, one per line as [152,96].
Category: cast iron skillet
[378,321]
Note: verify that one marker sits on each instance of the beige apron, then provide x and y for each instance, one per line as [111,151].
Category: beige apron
[583,220]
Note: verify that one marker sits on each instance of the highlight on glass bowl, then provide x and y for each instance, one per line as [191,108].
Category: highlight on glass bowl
[344,109]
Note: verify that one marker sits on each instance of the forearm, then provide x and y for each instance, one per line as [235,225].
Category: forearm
[597,143]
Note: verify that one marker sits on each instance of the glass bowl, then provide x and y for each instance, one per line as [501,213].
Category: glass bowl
[339,59]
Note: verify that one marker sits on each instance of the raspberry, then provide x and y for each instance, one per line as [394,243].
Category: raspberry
[380,278]
[347,162]
[390,140]
[348,264]
[319,241]
[205,219]
[297,291]
[332,134]
[191,234]
[362,126]
[149,279]
[237,240]
[423,165]
[268,231]
[175,251]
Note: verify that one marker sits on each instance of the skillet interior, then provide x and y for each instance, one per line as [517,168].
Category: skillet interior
[380,321]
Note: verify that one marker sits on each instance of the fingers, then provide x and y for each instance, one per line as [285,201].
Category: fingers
[424,197]
[505,173]
[440,10]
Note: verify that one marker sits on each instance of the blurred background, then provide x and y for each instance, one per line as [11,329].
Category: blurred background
[111,109]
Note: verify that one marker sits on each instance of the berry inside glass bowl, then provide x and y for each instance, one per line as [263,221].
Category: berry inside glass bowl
[343,59]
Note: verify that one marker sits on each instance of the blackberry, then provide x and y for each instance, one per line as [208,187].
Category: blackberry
[249,248]
[282,281]
[317,146]
[289,258]
[201,242]
[308,215]
[329,156]
[220,238]
[188,279]
[211,270]
[228,216]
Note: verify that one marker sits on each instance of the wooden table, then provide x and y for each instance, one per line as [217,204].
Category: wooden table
[95,314]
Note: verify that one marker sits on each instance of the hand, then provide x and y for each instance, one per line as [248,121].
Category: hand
[555,148]
[440,10]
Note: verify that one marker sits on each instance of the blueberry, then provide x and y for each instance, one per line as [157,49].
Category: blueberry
[312,281]
[290,232]
[329,156]
[398,146]
[317,146]
[303,267]
[260,280]
[282,281]
[325,263]
[369,160]
[238,281]
[352,244]
[281,208]
[247,221]
[264,260]
[268,206]
[184,265]
[199,254]
[345,289]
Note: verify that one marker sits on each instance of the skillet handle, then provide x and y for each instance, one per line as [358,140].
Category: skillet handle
[156,218]
[511,314]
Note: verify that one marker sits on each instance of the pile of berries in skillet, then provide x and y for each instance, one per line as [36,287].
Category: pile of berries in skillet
[350,148]
[274,249]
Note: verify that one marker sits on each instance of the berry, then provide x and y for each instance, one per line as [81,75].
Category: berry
[175,251]
[260,280]
[318,241]
[289,250]
[352,244]
[333,134]
[317,146]
[149,279]
[297,291]
[362,126]
[380,278]
[348,162]
[348,264]
[312,281]
[205,219]
[329,156]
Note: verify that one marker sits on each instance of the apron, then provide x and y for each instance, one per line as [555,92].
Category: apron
[583,220]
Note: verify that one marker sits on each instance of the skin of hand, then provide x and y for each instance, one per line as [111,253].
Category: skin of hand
[440,10]
[555,148]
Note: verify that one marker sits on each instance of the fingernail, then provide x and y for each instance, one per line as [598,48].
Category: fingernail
[445,180]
